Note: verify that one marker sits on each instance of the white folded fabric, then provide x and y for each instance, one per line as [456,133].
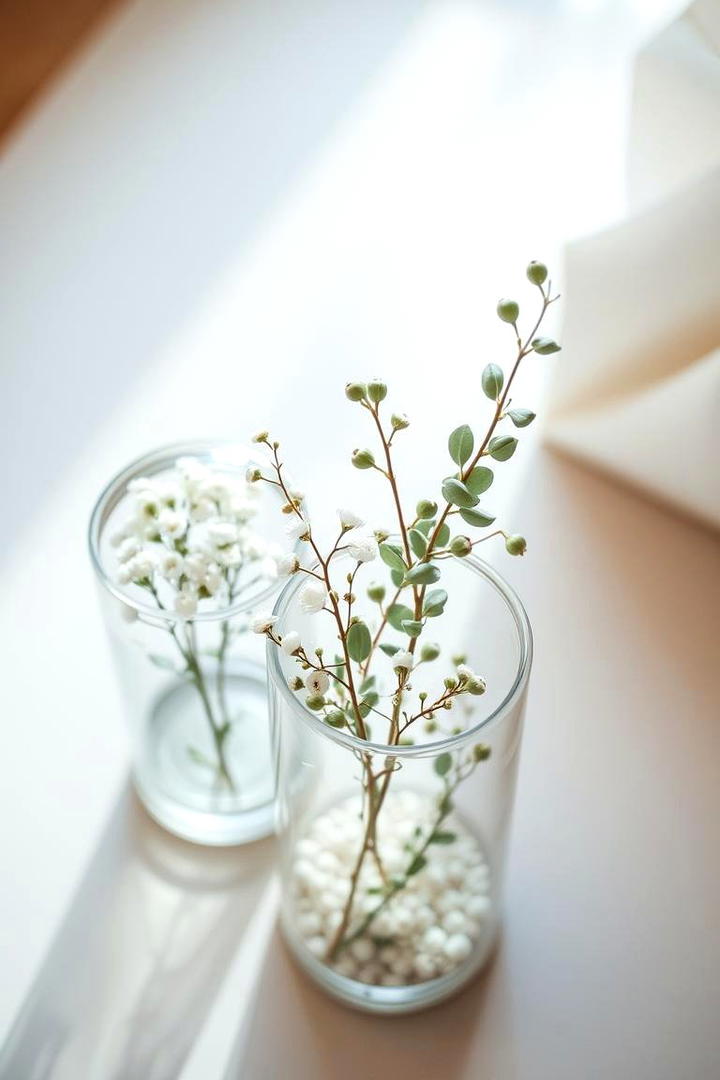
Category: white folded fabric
[637,387]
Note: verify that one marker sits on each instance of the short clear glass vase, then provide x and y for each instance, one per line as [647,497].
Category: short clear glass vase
[393,846]
[183,548]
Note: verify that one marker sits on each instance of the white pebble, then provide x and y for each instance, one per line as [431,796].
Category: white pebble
[316,945]
[346,966]
[362,949]
[425,966]
[388,979]
[434,939]
[454,922]
[310,924]
[458,947]
[478,907]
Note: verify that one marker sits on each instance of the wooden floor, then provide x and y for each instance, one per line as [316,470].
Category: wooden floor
[36,38]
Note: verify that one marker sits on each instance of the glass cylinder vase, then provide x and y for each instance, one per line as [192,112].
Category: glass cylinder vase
[183,549]
[393,848]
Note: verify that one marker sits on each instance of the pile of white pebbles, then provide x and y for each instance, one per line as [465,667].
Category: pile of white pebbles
[430,927]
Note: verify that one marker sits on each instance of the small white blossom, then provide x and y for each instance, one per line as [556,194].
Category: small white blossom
[229,556]
[262,623]
[465,672]
[288,564]
[362,547]
[185,604]
[196,566]
[403,660]
[171,523]
[129,547]
[201,509]
[142,485]
[298,529]
[312,598]
[222,533]
[171,565]
[253,474]
[213,579]
[124,577]
[291,642]
[317,682]
[139,566]
[349,520]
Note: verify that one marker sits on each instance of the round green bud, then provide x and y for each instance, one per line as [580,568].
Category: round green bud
[315,702]
[536,272]
[516,545]
[335,718]
[430,727]
[475,685]
[481,752]
[363,459]
[460,546]
[376,593]
[430,651]
[449,683]
[355,391]
[376,390]
[399,421]
[426,509]
[508,311]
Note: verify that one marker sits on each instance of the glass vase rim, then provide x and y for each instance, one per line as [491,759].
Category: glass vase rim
[104,504]
[437,746]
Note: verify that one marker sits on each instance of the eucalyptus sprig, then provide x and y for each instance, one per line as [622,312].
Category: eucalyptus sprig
[346,692]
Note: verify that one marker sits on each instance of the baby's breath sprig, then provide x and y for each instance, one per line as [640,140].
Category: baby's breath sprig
[346,693]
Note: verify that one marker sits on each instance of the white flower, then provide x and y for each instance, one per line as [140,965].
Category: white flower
[124,577]
[229,556]
[298,529]
[291,642]
[186,604]
[202,509]
[196,566]
[317,682]
[213,579]
[253,474]
[362,547]
[172,523]
[139,566]
[312,598]
[142,485]
[348,520]
[262,623]
[222,533]
[171,565]
[464,672]
[128,548]
[403,660]
[288,564]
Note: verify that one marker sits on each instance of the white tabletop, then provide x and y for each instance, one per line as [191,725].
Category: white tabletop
[218,215]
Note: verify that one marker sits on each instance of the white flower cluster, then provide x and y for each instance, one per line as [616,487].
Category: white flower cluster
[187,536]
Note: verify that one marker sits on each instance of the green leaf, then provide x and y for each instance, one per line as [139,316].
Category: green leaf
[422,574]
[397,577]
[521,417]
[435,602]
[443,764]
[425,525]
[456,493]
[460,444]
[392,556]
[443,534]
[412,628]
[359,642]
[477,518]
[389,649]
[416,865]
[418,542]
[479,479]
[397,614]
[372,697]
[545,345]
[503,448]
[443,837]
[492,381]
[367,684]
[162,662]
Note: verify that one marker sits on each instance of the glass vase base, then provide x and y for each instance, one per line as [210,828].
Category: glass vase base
[180,779]
[390,1000]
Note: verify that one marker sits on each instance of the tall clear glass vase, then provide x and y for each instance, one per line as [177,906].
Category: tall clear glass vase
[183,551]
[392,854]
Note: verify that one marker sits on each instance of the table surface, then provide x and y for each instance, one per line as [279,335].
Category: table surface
[194,254]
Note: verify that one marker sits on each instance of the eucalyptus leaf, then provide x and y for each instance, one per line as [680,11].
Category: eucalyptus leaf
[435,602]
[443,534]
[389,649]
[412,627]
[443,764]
[492,381]
[443,837]
[392,556]
[418,542]
[545,346]
[502,448]
[422,574]
[359,642]
[460,444]
[479,479]
[396,614]
[521,417]
[425,525]
[397,577]
[477,518]
[456,493]
[416,865]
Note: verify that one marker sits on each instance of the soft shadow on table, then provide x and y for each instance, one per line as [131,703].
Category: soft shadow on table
[292,1029]
[139,956]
